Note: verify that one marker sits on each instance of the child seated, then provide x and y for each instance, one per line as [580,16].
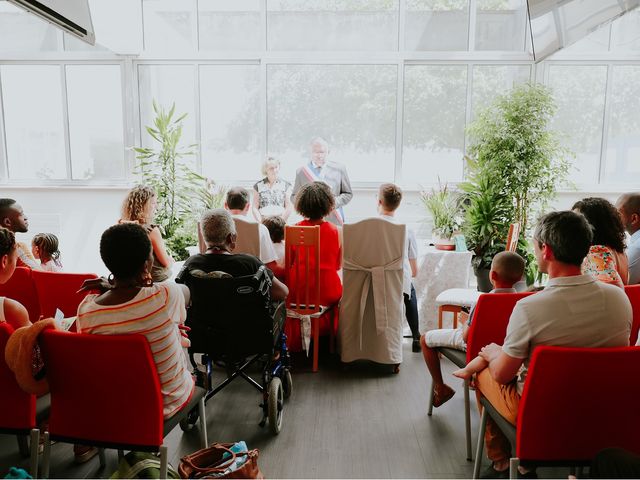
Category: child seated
[507,268]
[276,225]
[44,246]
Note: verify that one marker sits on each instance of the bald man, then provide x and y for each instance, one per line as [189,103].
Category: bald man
[629,207]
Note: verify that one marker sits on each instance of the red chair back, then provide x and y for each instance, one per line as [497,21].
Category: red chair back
[577,401]
[22,289]
[104,389]
[302,267]
[490,320]
[17,408]
[59,290]
[633,292]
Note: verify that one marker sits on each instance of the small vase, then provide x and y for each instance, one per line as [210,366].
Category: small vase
[482,277]
[442,243]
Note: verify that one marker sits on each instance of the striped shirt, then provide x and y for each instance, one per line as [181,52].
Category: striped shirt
[154,312]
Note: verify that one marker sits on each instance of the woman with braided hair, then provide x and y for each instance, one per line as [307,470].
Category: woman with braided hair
[139,207]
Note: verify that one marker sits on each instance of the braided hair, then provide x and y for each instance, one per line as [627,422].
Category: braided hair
[47,243]
[7,241]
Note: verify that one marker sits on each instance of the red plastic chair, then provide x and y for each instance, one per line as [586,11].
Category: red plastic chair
[105,392]
[59,290]
[19,411]
[22,289]
[302,253]
[576,401]
[489,325]
[633,292]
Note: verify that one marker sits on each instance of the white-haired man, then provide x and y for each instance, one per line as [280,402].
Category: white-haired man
[332,173]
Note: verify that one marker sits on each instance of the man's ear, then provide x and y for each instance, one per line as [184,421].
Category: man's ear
[4,260]
[6,222]
[547,252]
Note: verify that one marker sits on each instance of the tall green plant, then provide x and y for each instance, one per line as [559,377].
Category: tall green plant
[164,168]
[516,165]
[444,207]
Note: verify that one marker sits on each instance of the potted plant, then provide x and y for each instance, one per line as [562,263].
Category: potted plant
[515,166]
[444,207]
[180,191]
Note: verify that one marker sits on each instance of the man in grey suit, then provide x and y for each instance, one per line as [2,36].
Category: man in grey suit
[332,173]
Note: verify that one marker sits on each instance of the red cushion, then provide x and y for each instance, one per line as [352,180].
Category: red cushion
[104,388]
[21,288]
[633,292]
[59,290]
[577,401]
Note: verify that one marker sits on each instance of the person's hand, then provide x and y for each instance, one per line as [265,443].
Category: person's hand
[96,284]
[490,352]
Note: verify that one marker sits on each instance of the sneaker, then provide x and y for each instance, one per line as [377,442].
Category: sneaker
[415,346]
[84,453]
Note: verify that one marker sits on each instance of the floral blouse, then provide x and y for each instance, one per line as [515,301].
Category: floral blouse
[271,199]
[600,263]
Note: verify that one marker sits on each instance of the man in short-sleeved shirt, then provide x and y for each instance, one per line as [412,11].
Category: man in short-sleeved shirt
[573,310]
[629,207]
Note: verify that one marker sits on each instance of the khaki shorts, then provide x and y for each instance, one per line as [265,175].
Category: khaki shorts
[445,337]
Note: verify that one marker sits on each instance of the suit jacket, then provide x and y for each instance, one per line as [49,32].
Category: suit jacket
[334,175]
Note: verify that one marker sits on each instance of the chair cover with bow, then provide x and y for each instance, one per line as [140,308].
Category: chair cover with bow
[248,237]
[372,307]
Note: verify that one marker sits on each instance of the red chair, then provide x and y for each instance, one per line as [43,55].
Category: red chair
[20,413]
[22,289]
[302,252]
[576,401]
[489,325]
[633,292]
[105,392]
[59,290]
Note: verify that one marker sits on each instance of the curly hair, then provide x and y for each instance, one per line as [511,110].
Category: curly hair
[47,243]
[315,201]
[7,241]
[124,249]
[605,219]
[133,207]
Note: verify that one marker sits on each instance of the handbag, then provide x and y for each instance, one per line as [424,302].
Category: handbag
[218,461]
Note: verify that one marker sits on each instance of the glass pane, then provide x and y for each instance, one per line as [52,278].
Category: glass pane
[352,106]
[622,162]
[169,25]
[489,81]
[626,32]
[118,27]
[168,84]
[21,31]
[230,122]
[437,25]
[230,25]
[596,41]
[435,101]
[500,25]
[32,99]
[579,93]
[94,96]
[336,25]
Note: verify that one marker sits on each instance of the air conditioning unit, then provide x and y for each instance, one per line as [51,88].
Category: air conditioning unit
[73,16]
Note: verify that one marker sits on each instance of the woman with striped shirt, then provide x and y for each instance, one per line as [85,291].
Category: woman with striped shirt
[133,304]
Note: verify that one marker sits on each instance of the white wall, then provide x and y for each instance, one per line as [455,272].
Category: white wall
[79,215]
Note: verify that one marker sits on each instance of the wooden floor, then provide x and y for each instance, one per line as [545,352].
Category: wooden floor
[355,422]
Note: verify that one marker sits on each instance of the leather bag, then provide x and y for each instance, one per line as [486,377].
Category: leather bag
[209,463]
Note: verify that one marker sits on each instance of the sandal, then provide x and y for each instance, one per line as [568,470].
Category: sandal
[447,394]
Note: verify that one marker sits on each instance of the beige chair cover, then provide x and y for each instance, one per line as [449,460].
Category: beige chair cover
[372,306]
[248,237]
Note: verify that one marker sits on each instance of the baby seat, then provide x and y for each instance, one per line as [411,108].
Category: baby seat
[234,325]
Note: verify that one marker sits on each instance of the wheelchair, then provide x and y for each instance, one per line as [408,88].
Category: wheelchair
[234,325]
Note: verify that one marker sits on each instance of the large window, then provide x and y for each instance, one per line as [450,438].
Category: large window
[352,106]
[391,84]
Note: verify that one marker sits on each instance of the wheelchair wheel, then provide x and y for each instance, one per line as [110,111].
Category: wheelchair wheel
[188,422]
[287,383]
[276,401]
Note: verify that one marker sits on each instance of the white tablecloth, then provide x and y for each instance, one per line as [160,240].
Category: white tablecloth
[438,270]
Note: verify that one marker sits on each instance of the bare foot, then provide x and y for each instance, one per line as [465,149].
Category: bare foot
[463,373]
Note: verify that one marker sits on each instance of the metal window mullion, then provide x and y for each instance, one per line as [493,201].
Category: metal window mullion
[137,112]
[605,122]
[144,46]
[467,116]
[264,130]
[402,7]
[398,177]
[197,25]
[65,120]
[4,154]
[471,44]
[128,112]
[198,120]
[264,27]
